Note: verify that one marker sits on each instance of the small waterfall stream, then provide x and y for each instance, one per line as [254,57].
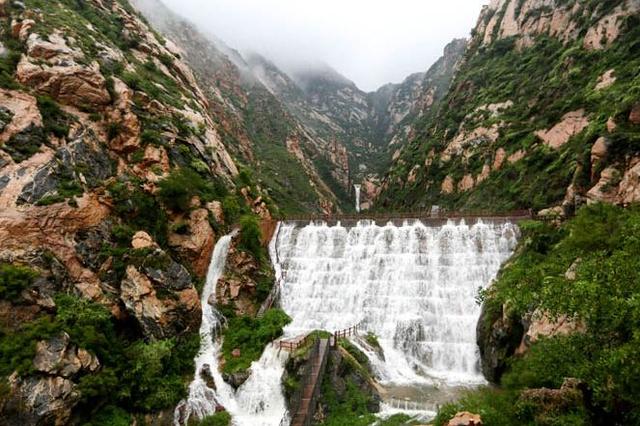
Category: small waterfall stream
[259,401]
[414,286]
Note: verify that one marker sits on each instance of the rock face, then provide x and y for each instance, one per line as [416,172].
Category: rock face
[60,76]
[238,288]
[480,123]
[508,18]
[197,245]
[46,400]
[499,335]
[541,325]
[56,357]
[160,317]
[572,123]
[49,397]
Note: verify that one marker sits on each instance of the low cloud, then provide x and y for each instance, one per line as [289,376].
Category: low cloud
[372,42]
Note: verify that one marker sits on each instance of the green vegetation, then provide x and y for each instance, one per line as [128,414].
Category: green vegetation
[25,144]
[250,335]
[602,241]
[268,127]
[372,339]
[177,189]
[67,189]
[14,279]
[544,81]
[222,418]
[9,62]
[135,376]
[54,120]
[250,237]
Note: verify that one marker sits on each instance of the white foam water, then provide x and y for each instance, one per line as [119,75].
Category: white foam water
[414,286]
[259,401]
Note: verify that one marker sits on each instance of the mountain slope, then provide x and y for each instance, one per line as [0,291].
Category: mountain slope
[543,112]
[361,131]
[115,180]
[268,140]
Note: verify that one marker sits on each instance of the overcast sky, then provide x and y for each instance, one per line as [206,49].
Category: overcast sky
[372,42]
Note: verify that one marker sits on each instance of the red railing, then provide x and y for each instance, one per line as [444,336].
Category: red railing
[442,215]
[351,331]
[292,345]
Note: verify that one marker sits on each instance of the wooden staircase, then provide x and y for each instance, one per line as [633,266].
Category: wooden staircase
[312,384]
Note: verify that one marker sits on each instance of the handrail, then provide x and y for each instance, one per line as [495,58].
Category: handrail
[346,332]
[292,345]
[518,214]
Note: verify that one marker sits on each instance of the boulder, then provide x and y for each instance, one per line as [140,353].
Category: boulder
[127,137]
[611,125]
[571,124]
[516,156]
[236,379]
[629,188]
[466,183]
[159,316]
[500,156]
[606,188]
[448,186]
[634,115]
[54,50]
[465,418]
[606,79]
[600,149]
[19,112]
[142,240]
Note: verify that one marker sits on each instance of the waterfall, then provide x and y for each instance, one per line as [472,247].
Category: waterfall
[414,286]
[357,187]
[259,401]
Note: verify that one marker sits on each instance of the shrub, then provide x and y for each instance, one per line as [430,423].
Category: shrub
[14,279]
[139,210]
[55,120]
[250,235]
[222,418]
[251,335]
[177,189]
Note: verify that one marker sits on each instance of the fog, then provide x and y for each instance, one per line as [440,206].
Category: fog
[371,42]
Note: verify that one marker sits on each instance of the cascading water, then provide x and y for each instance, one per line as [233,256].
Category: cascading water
[414,286]
[357,188]
[259,401]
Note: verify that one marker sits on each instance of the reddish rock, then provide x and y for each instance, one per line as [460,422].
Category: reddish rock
[465,418]
[634,116]
[447,185]
[142,240]
[571,124]
[197,245]
[236,353]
